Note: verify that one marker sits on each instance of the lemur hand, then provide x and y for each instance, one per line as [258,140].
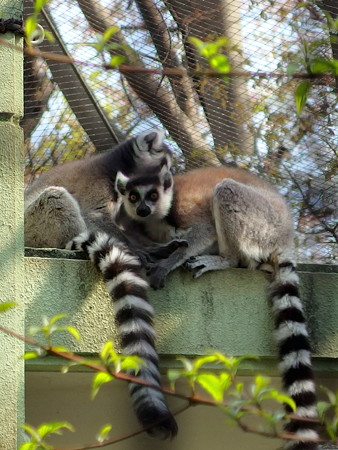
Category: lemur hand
[155,252]
[157,274]
[143,256]
[162,251]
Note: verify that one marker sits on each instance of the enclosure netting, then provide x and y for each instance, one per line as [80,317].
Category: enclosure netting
[248,118]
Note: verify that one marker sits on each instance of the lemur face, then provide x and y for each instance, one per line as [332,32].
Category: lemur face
[146,196]
[143,200]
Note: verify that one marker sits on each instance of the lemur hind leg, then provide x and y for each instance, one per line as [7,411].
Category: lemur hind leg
[228,252]
[251,224]
[53,219]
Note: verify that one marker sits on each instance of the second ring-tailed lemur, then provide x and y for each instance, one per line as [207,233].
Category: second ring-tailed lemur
[231,218]
[76,202]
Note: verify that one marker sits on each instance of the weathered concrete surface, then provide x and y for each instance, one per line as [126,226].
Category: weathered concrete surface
[226,311]
[11,236]
[11,74]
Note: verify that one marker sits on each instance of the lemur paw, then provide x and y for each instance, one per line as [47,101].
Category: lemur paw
[194,262]
[153,253]
[143,256]
[157,275]
[197,262]
[162,251]
[76,243]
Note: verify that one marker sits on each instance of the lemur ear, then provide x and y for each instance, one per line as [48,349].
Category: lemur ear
[168,181]
[121,183]
[150,141]
[166,177]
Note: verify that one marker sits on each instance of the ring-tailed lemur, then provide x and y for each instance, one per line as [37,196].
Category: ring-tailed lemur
[78,199]
[231,218]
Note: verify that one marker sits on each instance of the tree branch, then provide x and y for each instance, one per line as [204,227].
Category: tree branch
[159,99]
[226,106]
[182,88]
[193,399]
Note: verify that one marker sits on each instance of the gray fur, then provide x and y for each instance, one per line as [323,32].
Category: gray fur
[79,195]
[245,225]
[231,218]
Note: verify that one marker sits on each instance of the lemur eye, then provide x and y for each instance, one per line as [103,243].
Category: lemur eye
[133,198]
[154,196]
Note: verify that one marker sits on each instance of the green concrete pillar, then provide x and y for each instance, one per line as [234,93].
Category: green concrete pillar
[11,231]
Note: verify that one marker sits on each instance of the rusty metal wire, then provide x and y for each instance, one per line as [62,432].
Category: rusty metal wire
[246,120]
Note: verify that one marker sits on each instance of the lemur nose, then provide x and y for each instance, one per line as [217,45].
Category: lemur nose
[143,211]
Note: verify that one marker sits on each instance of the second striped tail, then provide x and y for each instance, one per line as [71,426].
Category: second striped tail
[295,355]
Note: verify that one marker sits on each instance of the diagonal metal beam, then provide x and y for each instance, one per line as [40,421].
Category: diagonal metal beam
[74,87]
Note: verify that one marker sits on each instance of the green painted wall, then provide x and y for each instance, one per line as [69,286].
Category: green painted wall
[11,233]
[226,311]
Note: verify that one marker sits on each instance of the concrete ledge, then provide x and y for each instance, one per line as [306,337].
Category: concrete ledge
[226,311]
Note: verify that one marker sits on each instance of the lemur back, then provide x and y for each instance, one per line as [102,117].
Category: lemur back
[231,218]
[80,194]
[75,202]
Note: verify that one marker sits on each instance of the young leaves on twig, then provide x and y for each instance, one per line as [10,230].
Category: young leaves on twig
[37,436]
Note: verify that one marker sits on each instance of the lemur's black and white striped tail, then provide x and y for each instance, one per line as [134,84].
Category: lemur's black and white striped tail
[294,353]
[134,316]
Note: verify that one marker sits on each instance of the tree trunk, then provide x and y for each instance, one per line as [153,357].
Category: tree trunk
[226,106]
[162,101]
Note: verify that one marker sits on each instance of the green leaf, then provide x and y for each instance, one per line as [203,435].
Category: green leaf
[332,429]
[74,332]
[99,379]
[173,376]
[239,388]
[49,36]
[197,43]
[220,63]
[66,367]
[261,382]
[132,363]
[30,355]
[29,446]
[46,322]
[322,408]
[107,352]
[214,385]
[53,428]
[116,60]
[34,330]
[39,4]
[203,360]
[333,398]
[109,33]
[31,431]
[5,306]
[209,49]
[292,68]
[282,398]
[301,95]
[104,433]
[30,25]
[187,364]
[60,348]
[55,319]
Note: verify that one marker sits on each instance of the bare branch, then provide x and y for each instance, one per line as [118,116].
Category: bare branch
[182,88]
[226,106]
[159,99]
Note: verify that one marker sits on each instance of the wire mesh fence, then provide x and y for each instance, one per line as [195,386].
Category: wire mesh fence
[248,117]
